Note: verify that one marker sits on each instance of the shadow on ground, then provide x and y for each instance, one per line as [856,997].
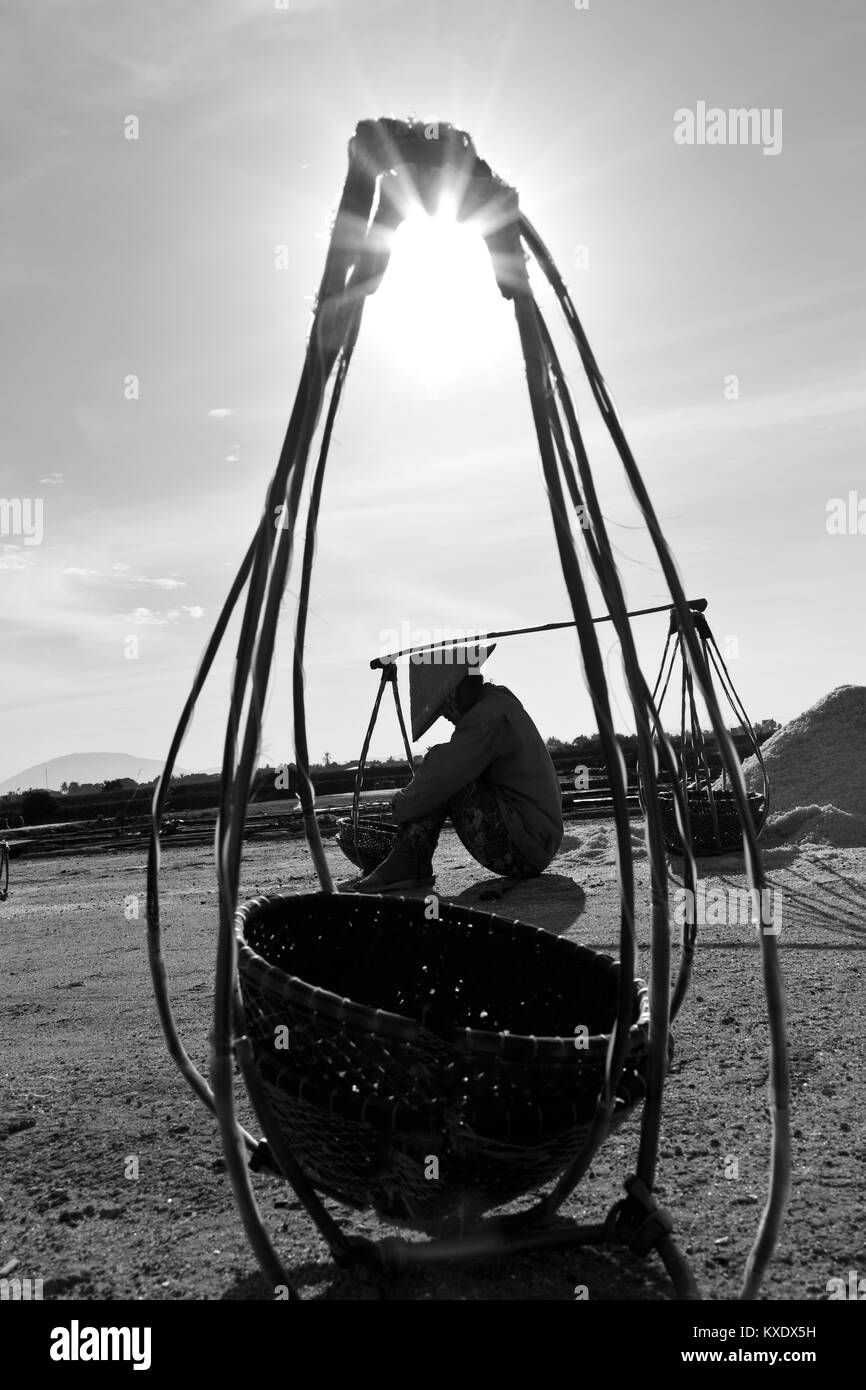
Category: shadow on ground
[552,900]
[563,1276]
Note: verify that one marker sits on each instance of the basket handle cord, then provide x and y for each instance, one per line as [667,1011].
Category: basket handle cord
[410,756]
[242,1141]
[535,346]
[197,1082]
[333,333]
[717,666]
[302,756]
[718,663]
[689,928]
[388,677]
[601,555]
[681,807]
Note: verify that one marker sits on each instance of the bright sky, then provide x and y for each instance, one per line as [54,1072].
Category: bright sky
[159,258]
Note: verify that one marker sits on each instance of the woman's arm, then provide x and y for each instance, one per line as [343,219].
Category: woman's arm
[448,767]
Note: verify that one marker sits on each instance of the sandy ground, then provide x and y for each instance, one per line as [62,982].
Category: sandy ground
[87,1086]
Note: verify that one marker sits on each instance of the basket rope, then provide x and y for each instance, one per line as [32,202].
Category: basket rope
[710,824]
[388,677]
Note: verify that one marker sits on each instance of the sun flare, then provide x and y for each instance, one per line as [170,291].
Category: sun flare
[437,304]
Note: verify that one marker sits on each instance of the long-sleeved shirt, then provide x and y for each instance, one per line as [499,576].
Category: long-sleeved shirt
[495,741]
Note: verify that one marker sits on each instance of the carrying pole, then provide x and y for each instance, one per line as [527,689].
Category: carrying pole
[697,605]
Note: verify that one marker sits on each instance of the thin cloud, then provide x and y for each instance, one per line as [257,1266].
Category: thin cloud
[157,583]
[151,617]
[14,557]
[122,574]
[144,617]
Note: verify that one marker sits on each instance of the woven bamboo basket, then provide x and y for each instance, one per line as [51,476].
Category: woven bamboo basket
[372,844]
[384,1040]
[715,827]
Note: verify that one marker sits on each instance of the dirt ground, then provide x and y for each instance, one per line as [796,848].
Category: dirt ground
[87,1085]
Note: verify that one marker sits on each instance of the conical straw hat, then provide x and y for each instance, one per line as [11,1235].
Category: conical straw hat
[434,675]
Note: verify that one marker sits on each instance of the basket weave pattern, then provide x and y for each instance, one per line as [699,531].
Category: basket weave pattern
[372,844]
[722,835]
[410,1038]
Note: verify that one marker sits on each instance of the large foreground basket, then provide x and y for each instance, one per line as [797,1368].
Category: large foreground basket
[430,1069]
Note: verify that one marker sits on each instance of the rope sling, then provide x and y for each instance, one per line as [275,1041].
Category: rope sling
[713,823]
[368,840]
[453,1038]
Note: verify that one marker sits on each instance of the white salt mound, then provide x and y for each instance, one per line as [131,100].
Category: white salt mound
[818,825]
[817,771]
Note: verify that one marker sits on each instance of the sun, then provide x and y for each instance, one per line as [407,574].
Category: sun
[437,306]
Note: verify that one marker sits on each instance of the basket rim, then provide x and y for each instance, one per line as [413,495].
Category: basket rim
[369,822]
[406,1029]
[665,793]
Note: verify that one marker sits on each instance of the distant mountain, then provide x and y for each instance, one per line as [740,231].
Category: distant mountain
[84,767]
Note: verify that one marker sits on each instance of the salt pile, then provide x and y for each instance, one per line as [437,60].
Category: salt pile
[817,771]
[818,825]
